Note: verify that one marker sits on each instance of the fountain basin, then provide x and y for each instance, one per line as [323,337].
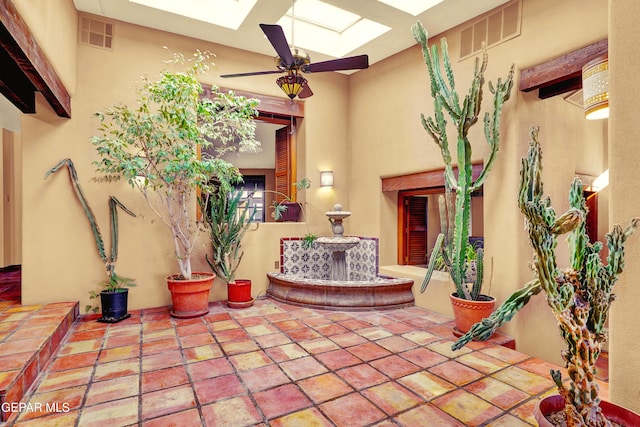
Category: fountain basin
[379,293]
[337,244]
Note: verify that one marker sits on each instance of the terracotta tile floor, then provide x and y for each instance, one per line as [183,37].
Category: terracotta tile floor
[270,364]
[279,365]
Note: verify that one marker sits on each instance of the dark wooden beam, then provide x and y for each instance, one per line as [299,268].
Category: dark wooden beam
[14,85]
[427,179]
[561,74]
[273,104]
[21,48]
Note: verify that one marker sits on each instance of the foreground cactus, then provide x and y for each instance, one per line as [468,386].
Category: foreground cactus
[580,296]
[455,215]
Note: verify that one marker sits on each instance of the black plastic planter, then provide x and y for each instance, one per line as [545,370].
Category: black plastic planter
[114,306]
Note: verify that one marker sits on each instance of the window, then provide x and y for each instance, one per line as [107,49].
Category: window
[419,213]
[276,163]
[419,222]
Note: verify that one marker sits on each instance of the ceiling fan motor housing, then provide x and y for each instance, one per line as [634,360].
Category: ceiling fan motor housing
[300,60]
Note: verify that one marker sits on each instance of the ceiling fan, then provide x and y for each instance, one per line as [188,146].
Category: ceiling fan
[295,62]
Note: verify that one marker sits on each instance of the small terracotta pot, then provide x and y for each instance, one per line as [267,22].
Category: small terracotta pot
[239,294]
[467,312]
[190,297]
[611,411]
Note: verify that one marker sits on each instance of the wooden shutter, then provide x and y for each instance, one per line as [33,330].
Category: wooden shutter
[416,231]
[283,164]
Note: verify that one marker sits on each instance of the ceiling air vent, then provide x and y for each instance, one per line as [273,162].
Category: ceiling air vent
[492,29]
[94,32]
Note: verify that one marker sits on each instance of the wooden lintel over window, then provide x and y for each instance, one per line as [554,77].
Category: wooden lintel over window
[428,179]
[561,74]
[25,68]
[270,104]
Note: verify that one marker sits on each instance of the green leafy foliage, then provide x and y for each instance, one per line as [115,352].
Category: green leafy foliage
[308,239]
[455,212]
[114,284]
[156,146]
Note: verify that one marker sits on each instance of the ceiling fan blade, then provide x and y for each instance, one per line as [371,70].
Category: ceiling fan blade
[254,73]
[279,42]
[306,92]
[350,63]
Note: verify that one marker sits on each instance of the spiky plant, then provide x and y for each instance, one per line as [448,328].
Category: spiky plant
[579,296]
[114,283]
[455,205]
[227,221]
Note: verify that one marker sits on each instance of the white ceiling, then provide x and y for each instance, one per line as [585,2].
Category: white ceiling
[248,36]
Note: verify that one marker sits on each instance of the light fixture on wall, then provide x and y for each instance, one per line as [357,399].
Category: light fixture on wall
[601,182]
[326,179]
[595,88]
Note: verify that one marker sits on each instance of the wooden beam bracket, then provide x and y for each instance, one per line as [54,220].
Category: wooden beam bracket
[27,59]
[562,74]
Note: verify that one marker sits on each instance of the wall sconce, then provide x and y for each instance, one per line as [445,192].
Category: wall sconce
[326,179]
[595,88]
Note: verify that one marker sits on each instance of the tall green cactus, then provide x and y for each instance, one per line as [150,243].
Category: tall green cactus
[113,282]
[579,296]
[455,233]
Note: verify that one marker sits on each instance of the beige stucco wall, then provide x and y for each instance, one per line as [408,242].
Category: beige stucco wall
[53,25]
[388,139]
[624,158]
[53,218]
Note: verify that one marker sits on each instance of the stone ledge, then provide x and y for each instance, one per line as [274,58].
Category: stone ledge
[382,293]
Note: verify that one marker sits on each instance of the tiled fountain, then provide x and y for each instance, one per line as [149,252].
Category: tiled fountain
[336,272]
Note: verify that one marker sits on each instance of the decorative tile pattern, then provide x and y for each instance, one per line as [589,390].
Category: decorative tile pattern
[315,262]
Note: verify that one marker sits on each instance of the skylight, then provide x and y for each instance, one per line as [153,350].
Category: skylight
[327,29]
[414,7]
[225,13]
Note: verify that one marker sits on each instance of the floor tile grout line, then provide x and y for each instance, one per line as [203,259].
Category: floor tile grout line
[314,355]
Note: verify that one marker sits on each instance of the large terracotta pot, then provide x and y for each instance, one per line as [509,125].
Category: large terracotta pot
[239,294]
[190,297]
[467,312]
[611,411]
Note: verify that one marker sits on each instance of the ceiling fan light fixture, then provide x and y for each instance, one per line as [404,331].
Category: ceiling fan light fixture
[291,84]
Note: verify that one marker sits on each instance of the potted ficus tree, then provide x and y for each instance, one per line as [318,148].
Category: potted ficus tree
[155,147]
[579,296]
[228,218]
[452,244]
[114,294]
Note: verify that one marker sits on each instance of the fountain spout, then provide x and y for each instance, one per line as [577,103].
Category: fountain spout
[338,244]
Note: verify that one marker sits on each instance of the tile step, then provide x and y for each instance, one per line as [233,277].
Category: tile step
[30,337]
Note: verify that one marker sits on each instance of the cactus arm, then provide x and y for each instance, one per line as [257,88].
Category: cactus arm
[113,215]
[483,330]
[477,284]
[83,201]
[502,93]
[437,247]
